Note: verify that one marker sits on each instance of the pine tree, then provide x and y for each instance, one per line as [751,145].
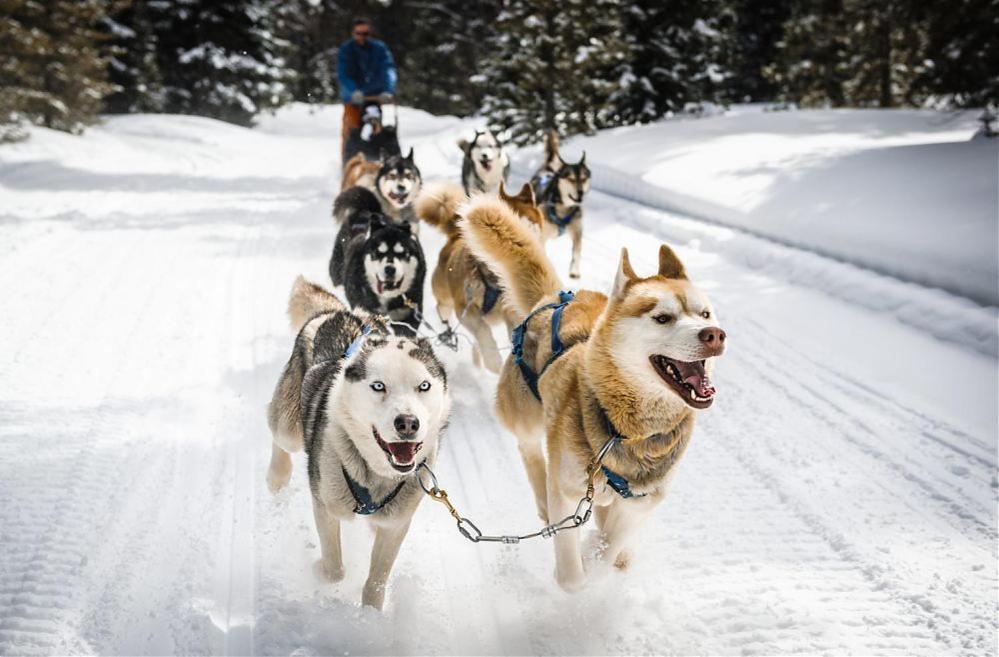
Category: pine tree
[52,70]
[676,51]
[134,57]
[223,59]
[811,66]
[963,49]
[756,30]
[552,65]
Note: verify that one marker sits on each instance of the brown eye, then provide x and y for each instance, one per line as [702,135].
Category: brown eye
[706,314]
[663,318]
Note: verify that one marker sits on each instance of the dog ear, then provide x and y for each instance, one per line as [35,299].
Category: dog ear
[502,192]
[526,194]
[409,158]
[582,160]
[464,145]
[669,264]
[625,274]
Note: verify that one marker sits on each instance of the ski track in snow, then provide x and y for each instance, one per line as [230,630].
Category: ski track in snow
[142,339]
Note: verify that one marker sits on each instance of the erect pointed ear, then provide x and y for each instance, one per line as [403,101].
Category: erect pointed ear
[582,160]
[464,145]
[526,194]
[625,274]
[670,265]
[502,192]
[409,158]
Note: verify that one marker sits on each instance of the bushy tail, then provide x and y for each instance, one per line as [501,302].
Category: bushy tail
[508,246]
[551,146]
[438,205]
[308,300]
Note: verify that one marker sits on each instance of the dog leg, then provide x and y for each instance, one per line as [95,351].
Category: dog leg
[388,540]
[576,232]
[486,342]
[568,557]
[330,566]
[279,472]
[621,520]
[534,463]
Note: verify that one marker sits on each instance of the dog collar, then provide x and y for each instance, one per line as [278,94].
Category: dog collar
[364,504]
[358,342]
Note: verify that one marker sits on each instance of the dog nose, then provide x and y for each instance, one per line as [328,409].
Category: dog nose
[390,270]
[713,338]
[407,425]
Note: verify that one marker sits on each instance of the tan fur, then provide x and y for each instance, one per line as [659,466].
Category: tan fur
[359,171]
[512,250]
[656,422]
[308,300]
[438,204]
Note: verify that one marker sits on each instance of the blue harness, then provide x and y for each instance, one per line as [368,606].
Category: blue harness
[530,376]
[489,297]
[551,214]
[358,342]
[364,504]
[614,480]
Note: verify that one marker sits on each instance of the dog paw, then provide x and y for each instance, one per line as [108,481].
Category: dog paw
[327,573]
[373,595]
[623,560]
[277,480]
[570,583]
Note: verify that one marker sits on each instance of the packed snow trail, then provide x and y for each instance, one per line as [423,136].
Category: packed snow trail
[838,498]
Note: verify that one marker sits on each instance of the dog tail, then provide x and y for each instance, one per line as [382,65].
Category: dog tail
[438,205]
[308,300]
[511,249]
[551,146]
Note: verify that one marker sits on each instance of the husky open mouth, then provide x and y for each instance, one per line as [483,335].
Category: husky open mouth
[401,454]
[387,285]
[486,164]
[398,197]
[689,380]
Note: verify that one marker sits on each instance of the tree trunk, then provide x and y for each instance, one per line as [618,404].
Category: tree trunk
[884,65]
[549,57]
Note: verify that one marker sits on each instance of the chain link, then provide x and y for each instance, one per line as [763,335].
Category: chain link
[584,509]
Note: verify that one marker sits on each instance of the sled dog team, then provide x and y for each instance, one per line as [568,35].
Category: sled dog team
[368,399]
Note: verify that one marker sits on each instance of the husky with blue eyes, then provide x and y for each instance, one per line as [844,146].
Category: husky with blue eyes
[368,408]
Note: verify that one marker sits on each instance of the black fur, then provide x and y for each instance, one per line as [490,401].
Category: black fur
[401,165]
[361,235]
[385,141]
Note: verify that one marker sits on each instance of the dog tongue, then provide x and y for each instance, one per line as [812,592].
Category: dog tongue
[381,286]
[404,452]
[693,375]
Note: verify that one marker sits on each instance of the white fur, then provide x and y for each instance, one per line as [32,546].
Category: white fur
[487,149]
[399,191]
[404,268]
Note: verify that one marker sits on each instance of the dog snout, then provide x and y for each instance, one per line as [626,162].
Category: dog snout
[390,271]
[713,338]
[407,425]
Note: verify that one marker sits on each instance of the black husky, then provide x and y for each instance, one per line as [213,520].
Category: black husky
[379,262]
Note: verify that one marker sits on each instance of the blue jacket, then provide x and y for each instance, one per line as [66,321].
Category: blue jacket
[369,68]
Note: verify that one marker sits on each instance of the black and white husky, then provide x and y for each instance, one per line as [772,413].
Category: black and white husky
[485,164]
[397,185]
[379,262]
[368,408]
[559,188]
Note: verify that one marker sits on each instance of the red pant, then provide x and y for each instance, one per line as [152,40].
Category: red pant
[351,119]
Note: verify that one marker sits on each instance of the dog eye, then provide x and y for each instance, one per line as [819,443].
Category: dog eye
[424,386]
[663,318]
[706,314]
[378,386]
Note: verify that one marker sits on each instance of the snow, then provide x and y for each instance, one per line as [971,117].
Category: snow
[839,498]
[869,187]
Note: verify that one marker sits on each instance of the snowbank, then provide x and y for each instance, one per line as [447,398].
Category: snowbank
[874,188]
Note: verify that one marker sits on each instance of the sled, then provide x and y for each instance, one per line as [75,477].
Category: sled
[374,138]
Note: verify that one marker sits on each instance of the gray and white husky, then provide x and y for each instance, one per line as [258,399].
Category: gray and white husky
[485,164]
[368,408]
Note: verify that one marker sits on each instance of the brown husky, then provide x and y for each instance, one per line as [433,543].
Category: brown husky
[359,171]
[463,286]
[633,366]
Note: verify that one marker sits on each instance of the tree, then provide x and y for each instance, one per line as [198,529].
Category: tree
[551,66]
[755,33]
[134,56]
[52,71]
[676,51]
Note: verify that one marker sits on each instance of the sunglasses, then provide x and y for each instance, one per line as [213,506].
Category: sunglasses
[362,34]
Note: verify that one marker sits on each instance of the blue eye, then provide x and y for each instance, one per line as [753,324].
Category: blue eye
[424,386]
[378,386]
